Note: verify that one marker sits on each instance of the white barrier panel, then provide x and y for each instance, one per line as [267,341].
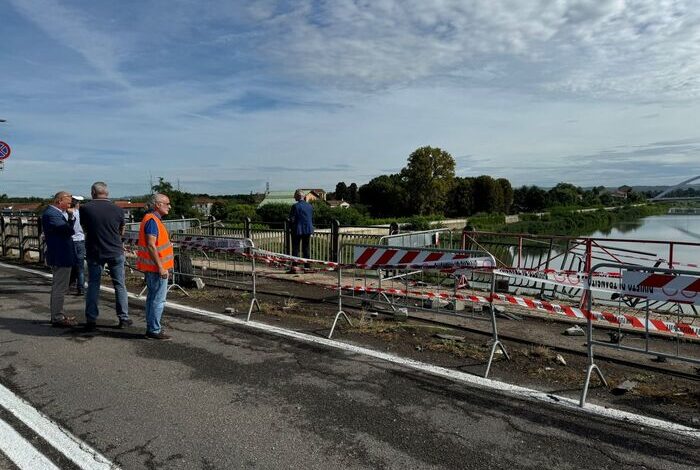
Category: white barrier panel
[666,287]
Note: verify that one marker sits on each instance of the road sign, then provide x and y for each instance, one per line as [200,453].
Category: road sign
[5,150]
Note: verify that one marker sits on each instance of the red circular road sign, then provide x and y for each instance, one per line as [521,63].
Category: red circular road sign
[5,150]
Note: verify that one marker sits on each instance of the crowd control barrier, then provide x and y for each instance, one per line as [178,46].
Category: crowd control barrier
[221,261]
[646,286]
[404,279]
[21,236]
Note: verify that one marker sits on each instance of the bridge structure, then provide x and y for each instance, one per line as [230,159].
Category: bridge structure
[662,196]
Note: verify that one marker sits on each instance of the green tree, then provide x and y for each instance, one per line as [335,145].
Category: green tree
[385,195]
[429,174]
[488,195]
[507,191]
[275,212]
[564,194]
[352,194]
[181,202]
[341,191]
[460,199]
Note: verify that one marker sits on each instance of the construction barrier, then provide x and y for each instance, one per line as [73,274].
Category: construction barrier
[648,285]
[198,259]
[405,279]
[555,268]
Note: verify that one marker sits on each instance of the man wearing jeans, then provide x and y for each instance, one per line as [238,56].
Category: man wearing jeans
[155,259]
[103,223]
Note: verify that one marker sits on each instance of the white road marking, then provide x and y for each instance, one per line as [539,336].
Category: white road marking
[513,390]
[61,439]
[20,451]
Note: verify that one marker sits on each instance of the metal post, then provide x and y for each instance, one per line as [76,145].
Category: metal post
[2,236]
[288,237]
[20,239]
[335,236]
[41,241]
[246,227]
[212,230]
[589,333]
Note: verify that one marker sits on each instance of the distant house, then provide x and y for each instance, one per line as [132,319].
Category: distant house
[203,205]
[130,208]
[335,203]
[314,194]
[287,197]
[19,208]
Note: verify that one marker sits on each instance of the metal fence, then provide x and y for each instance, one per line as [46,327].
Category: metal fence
[408,279]
[647,285]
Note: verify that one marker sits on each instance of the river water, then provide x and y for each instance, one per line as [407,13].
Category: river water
[667,228]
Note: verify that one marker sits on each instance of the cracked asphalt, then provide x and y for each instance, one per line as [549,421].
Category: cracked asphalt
[220,396]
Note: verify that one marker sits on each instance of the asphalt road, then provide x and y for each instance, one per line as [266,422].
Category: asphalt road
[222,396]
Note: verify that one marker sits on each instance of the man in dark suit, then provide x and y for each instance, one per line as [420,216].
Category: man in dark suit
[301,217]
[57,223]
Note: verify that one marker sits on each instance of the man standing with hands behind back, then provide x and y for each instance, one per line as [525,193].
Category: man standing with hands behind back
[155,259]
[103,223]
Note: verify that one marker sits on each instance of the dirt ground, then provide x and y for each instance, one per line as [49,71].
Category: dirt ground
[541,357]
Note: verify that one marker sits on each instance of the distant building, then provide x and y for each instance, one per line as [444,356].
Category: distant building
[19,208]
[287,197]
[335,203]
[204,205]
[130,208]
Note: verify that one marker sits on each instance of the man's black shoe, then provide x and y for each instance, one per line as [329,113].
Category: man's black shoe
[125,323]
[90,326]
[160,336]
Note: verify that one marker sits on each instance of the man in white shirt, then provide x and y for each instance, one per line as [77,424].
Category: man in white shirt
[77,274]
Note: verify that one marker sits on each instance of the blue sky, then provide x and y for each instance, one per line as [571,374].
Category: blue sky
[224,96]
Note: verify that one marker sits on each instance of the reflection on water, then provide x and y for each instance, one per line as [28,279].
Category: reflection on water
[667,228]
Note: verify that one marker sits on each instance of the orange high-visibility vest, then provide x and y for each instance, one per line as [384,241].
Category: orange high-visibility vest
[163,246]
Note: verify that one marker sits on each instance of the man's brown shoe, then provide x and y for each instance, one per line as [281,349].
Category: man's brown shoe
[161,336]
[64,323]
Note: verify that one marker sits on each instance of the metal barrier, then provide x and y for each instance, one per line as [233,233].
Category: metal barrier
[556,267]
[424,238]
[223,261]
[647,284]
[21,236]
[424,279]
[173,225]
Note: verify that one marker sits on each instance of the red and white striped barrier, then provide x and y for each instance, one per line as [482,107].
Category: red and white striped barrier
[372,257]
[626,320]
[665,287]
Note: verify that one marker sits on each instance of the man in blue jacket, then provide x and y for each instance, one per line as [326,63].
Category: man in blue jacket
[301,217]
[57,222]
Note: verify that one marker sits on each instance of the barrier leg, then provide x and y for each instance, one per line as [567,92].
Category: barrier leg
[590,369]
[497,344]
[253,301]
[335,321]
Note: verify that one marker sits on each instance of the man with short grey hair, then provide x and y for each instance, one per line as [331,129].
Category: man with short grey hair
[103,223]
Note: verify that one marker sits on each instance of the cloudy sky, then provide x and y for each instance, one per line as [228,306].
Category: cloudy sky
[226,95]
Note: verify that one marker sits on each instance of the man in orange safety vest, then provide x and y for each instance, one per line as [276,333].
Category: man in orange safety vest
[156,260]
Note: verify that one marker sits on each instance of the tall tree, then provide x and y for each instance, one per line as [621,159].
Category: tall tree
[341,191]
[488,195]
[352,194]
[429,175]
[181,202]
[385,195]
[507,191]
[460,199]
